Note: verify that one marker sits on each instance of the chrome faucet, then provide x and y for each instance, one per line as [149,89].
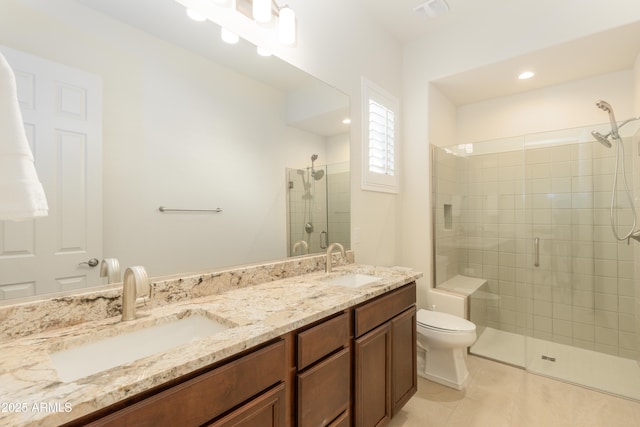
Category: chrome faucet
[110,268]
[299,243]
[133,277]
[330,258]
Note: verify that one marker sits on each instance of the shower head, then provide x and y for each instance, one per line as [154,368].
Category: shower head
[602,139]
[317,174]
[603,105]
[314,157]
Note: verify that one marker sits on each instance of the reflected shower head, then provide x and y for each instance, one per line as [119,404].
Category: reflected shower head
[602,139]
[317,174]
[603,105]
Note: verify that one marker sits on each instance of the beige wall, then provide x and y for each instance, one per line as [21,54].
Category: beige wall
[562,106]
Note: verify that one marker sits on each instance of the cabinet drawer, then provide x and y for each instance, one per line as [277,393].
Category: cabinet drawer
[207,396]
[375,313]
[324,391]
[319,341]
[266,410]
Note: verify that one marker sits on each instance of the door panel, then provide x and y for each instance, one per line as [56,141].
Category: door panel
[62,111]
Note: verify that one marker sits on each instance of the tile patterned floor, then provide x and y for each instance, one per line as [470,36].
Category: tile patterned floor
[499,395]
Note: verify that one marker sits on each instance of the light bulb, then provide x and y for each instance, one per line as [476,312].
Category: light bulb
[196,16]
[262,10]
[287,26]
[263,52]
[229,37]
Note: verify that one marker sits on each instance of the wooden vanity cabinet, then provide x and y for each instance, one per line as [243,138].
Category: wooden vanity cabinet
[266,410]
[252,384]
[385,375]
[323,382]
[355,368]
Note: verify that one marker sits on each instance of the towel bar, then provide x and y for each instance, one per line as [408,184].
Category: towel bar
[164,209]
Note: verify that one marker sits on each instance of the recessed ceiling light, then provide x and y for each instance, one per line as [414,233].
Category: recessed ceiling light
[526,75]
[346,121]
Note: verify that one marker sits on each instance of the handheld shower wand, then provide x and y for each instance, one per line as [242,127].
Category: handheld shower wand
[603,105]
[603,139]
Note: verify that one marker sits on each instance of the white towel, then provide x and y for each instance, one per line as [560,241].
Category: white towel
[21,193]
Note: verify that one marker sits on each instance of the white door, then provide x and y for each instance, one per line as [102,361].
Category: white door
[62,113]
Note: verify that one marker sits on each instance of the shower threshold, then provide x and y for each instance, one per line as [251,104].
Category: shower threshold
[600,371]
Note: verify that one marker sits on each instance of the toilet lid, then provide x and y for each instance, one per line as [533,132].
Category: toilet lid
[444,321]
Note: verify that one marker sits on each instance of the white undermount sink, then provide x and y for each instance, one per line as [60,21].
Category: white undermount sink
[87,359]
[354,280]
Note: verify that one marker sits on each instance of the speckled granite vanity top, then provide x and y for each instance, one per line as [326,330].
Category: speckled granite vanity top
[33,394]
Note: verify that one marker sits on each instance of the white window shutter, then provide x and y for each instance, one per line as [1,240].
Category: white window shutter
[380,135]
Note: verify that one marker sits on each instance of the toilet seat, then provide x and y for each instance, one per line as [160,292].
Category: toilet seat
[443,322]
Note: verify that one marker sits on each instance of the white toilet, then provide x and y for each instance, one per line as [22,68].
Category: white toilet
[442,341]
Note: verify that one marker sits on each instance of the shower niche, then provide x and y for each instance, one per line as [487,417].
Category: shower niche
[318,207]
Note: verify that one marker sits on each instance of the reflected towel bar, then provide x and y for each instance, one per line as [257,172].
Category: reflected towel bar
[164,209]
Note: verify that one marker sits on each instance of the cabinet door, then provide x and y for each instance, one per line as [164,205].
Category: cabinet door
[324,390]
[372,363]
[207,396]
[266,410]
[404,372]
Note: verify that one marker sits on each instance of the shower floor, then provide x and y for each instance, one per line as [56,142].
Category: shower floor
[588,368]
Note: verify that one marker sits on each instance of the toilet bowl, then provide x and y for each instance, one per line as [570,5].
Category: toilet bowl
[442,341]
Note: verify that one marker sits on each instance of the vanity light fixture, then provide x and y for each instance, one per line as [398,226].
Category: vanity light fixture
[287,26]
[282,29]
[526,75]
[261,10]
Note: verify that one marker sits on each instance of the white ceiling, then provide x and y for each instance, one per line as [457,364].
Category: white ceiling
[601,53]
[399,19]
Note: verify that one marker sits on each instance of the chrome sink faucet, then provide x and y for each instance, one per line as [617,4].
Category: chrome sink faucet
[330,258]
[299,243]
[133,277]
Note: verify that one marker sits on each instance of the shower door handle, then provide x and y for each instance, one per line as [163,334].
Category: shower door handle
[536,252]
[323,240]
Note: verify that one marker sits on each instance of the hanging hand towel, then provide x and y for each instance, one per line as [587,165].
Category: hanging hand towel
[21,193]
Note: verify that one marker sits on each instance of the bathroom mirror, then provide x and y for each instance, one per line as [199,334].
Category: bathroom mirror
[187,122]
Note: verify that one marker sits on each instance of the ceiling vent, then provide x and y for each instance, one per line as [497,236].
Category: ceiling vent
[432,8]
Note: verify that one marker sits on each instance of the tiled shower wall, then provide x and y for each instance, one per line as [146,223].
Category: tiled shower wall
[582,292]
[339,205]
[329,201]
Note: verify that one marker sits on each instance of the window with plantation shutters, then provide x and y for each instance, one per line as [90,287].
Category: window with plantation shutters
[380,147]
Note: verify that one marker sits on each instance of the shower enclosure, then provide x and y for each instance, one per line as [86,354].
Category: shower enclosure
[531,216]
[318,207]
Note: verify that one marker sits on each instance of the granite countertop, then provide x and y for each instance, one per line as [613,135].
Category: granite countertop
[32,393]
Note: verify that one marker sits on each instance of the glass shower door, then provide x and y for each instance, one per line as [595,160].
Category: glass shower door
[576,276]
[307,211]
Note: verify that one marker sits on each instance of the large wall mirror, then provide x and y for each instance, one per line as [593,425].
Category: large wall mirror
[147,109]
